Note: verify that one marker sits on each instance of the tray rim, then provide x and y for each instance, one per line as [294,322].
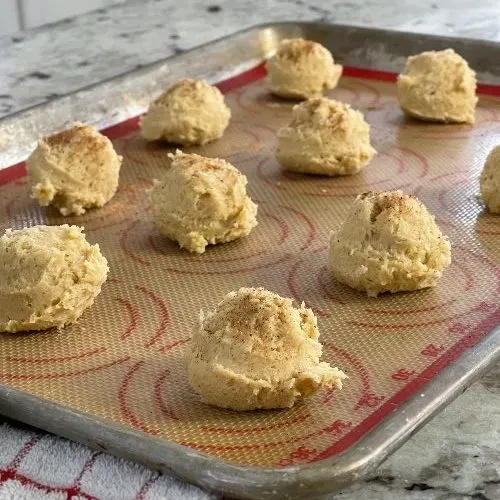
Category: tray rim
[325,476]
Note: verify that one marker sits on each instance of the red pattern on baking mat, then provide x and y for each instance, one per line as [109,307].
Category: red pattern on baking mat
[150,384]
[395,168]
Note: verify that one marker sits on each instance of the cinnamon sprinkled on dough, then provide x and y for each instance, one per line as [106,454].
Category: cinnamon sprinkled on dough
[301,69]
[258,351]
[388,242]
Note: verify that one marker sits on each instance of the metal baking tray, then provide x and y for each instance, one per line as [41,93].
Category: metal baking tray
[115,101]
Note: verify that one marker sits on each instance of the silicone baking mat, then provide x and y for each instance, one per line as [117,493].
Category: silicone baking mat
[123,361]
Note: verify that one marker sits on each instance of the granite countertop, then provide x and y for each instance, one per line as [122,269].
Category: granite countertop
[41,64]
[455,456]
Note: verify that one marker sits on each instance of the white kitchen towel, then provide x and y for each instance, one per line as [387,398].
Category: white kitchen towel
[37,466]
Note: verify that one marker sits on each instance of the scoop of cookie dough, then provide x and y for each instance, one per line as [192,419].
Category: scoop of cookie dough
[490,181]
[74,170]
[301,69]
[388,242]
[48,276]
[438,86]
[258,351]
[325,137]
[202,201]
[190,112]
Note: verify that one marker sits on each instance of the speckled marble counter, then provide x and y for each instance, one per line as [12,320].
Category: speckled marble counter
[455,456]
[54,60]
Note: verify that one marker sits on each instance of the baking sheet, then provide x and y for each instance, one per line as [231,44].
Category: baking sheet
[123,361]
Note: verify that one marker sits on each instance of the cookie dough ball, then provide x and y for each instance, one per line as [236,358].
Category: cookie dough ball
[258,351]
[188,113]
[325,137]
[490,181]
[202,201]
[301,69]
[48,276]
[74,170]
[439,87]
[388,242]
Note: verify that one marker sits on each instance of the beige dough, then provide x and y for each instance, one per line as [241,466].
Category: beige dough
[490,181]
[438,86]
[301,69]
[388,242]
[202,201]
[74,170]
[325,137]
[190,112]
[257,351]
[48,276]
